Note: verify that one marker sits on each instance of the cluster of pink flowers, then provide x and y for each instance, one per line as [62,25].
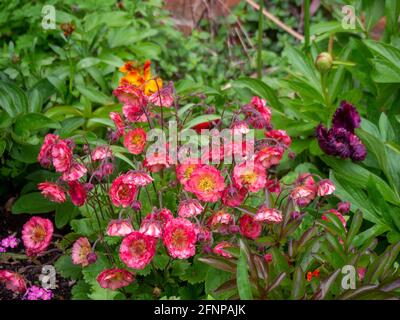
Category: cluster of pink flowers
[38,293]
[8,242]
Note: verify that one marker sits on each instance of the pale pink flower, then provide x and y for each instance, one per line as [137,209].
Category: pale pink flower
[270,215]
[325,187]
[153,224]
[52,191]
[137,250]
[101,153]
[269,156]
[303,195]
[157,161]
[220,221]
[219,249]
[80,252]
[75,172]
[119,228]
[189,208]
[138,178]
[36,235]
[180,238]
[115,278]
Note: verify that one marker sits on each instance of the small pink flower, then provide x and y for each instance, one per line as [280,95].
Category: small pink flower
[45,158]
[10,242]
[303,195]
[119,228]
[240,127]
[37,293]
[77,193]
[206,183]
[129,95]
[189,208]
[135,140]
[163,97]
[36,235]
[337,214]
[268,257]
[101,153]
[269,156]
[233,197]
[80,252]
[325,187]
[220,221]
[122,193]
[118,122]
[249,227]
[157,161]
[219,249]
[180,238]
[257,113]
[134,113]
[307,180]
[52,191]
[153,224]
[138,178]
[344,207]
[249,175]
[280,136]
[75,172]
[13,281]
[137,250]
[115,278]
[361,273]
[269,215]
[62,156]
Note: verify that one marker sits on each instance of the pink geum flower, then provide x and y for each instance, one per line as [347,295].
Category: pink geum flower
[206,183]
[269,156]
[303,195]
[122,193]
[62,156]
[157,161]
[325,187]
[135,140]
[45,158]
[257,113]
[81,250]
[306,179]
[52,191]
[249,175]
[13,281]
[220,221]
[101,153]
[163,97]
[249,227]
[137,250]
[189,208]
[337,214]
[138,178]
[38,293]
[36,235]
[180,238]
[233,197]
[273,186]
[240,127]
[119,228]
[185,169]
[10,242]
[114,279]
[130,95]
[118,122]
[280,136]
[75,172]
[269,215]
[134,113]
[219,249]
[77,193]
[153,224]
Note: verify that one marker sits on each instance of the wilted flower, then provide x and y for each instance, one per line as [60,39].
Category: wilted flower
[347,117]
[249,227]
[13,281]
[115,278]
[134,113]
[257,113]
[325,187]
[180,238]
[206,183]
[80,252]
[219,249]
[77,193]
[203,234]
[137,250]
[269,215]
[273,186]
[249,175]
[233,197]
[135,140]
[189,208]
[52,191]
[240,127]
[121,192]
[36,235]
[120,228]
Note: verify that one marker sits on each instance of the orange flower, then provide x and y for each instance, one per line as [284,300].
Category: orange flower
[140,77]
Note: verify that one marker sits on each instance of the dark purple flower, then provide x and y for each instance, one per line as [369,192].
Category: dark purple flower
[358,151]
[347,117]
[334,141]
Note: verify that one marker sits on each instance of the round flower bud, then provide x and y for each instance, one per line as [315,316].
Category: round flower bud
[324,62]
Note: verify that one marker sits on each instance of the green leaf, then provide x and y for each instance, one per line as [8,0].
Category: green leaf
[84,227]
[67,269]
[65,212]
[298,284]
[87,63]
[33,203]
[242,275]
[202,119]
[94,95]
[34,121]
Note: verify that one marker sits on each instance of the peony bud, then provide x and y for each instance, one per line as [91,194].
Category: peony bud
[324,62]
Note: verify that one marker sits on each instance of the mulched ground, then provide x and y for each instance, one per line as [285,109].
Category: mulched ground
[30,269]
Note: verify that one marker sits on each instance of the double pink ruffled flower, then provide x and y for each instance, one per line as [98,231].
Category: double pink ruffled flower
[36,235]
[180,238]
[137,250]
[115,278]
